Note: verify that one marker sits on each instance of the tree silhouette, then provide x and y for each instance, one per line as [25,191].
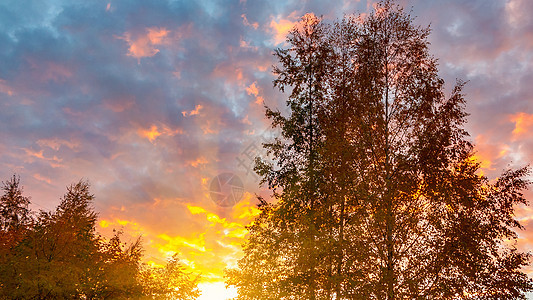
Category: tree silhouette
[15,221]
[169,282]
[59,255]
[378,194]
[14,212]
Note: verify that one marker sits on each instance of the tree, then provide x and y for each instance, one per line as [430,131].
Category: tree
[15,220]
[298,218]
[62,248]
[14,211]
[59,255]
[169,282]
[378,194]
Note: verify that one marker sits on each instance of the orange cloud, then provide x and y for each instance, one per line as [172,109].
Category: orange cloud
[151,134]
[210,242]
[489,154]
[157,35]
[104,224]
[42,178]
[199,161]
[131,229]
[54,161]
[176,242]
[252,89]
[281,28]
[231,73]
[523,123]
[376,6]
[485,154]
[244,210]
[193,112]
[143,45]
[154,132]
[34,153]
[259,100]
[207,128]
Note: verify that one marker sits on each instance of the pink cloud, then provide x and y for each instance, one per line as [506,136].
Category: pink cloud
[4,88]
[56,143]
[517,12]
[119,104]
[45,71]
[32,155]
[245,21]
[252,89]
[42,178]
[144,44]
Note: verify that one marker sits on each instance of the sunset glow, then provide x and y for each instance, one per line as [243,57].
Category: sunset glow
[150,101]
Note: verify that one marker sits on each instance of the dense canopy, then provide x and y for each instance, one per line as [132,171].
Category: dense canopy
[378,193]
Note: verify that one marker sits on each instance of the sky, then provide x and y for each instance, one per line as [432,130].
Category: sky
[151,100]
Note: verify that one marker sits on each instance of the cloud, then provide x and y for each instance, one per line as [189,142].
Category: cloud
[4,88]
[144,44]
[193,112]
[245,21]
[280,27]
[252,89]
[154,132]
[523,124]
[57,143]
[150,100]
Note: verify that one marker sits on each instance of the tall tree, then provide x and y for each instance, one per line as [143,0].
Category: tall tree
[388,204]
[15,223]
[299,218]
[14,211]
[63,247]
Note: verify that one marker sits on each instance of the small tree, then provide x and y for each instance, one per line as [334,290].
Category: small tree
[59,255]
[169,282]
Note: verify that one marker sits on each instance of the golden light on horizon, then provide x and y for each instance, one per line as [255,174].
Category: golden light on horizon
[205,252]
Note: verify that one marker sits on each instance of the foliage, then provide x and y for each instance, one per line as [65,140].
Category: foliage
[59,255]
[169,282]
[378,195]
